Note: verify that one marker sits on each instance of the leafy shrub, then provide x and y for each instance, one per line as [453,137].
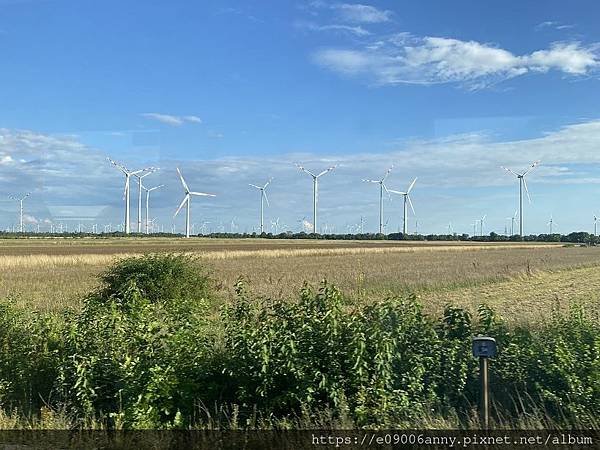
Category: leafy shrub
[138,350]
[30,345]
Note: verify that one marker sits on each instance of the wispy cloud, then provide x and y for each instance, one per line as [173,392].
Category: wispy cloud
[355,30]
[405,58]
[554,25]
[358,13]
[169,119]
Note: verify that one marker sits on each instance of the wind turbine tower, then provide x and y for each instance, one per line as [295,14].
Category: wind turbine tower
[522,185]
[187,202]
[20,200]
[407,202]
[263,198]
[382,186]
[315,191]
[148,190]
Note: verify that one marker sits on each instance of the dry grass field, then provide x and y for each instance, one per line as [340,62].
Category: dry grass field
[523,281]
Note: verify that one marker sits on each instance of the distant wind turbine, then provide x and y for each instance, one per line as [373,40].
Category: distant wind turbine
[407,201]
[263,198]
[595,226]
[128,174]
[522,184]
[513,219]
[148,190]
[315,190]
[482,223]
[551,224]
[187,202]
[139,176]
[20,200]
[382,186]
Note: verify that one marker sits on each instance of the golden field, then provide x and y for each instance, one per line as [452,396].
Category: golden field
[523,281]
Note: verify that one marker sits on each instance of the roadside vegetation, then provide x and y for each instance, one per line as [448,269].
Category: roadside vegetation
[154,346]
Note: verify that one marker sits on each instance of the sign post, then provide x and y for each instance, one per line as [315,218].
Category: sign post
[484,348]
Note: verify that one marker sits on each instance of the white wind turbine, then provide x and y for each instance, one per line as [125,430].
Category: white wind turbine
[482,223]
[407,202]
[595,225]
[551,224]
[513,219]
[148,190]
[20,200]
[139,176]
[315,191]
[186,201]
[263,198]
[382,186]
[128,174]
[522,184]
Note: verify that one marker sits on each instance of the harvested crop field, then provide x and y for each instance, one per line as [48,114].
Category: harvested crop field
[522,279]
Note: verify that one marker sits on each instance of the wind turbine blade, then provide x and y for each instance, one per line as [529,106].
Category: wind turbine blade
[411,205]
[264,194]
[483,218]
[396,192]
[371,181]
[516,214]
[411,186]
[510,171]
[533,166]
[267,183]
[202,194]
[126,186]
[526,190]
[387,173]
[117,165]
[185,199]
[329,169]
[305,170]
[185,186]
[255,186]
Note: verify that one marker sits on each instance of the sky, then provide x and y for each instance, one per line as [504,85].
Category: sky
[234,93]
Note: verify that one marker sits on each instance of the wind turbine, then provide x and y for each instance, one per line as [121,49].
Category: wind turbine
[147,171]
[513,219]
[263,198]
[186,201]
[482,223]
[382,186]
[128,174]
[407,202]
[148,190]
[20,200]
[315,190]
[551,224]
[522,184]
[595,226]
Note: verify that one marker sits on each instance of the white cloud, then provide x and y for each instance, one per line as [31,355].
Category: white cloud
[553,24]
[193,119]
[404,58]
[354,30]
[357,13]
[169,119]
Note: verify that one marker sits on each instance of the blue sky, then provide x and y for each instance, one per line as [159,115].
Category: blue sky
[236,92]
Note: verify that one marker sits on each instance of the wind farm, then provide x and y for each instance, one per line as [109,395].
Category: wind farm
[226,222]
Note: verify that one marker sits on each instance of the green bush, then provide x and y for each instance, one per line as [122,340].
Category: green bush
[137,353]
